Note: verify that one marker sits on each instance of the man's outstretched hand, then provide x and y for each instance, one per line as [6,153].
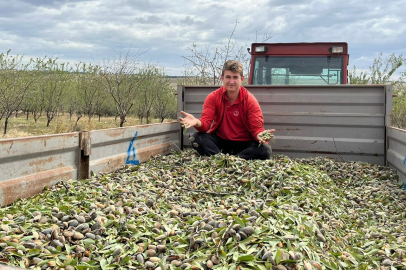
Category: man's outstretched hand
[265,136]
[189,120]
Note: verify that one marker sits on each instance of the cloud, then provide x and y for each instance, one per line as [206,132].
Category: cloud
[93,30]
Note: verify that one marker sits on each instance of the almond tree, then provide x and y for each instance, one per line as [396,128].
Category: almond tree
[151,83]
[89,91]
[34,103]
[54,81]
[399,103]
[383,71]
[121,79]
[165,99]
[15,82]
[165,103]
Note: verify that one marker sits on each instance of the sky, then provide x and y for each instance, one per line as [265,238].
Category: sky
[162,31]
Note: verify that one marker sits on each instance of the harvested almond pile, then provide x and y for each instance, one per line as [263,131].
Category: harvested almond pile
[183,211]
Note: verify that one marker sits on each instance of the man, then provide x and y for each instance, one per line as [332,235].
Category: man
[232,120]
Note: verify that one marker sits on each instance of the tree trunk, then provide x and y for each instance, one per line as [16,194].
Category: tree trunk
[122,120]
[28,113]
[5,125]
[48,121]
[75,127]
[147,117]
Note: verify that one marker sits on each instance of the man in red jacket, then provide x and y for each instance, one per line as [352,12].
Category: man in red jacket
[231,121]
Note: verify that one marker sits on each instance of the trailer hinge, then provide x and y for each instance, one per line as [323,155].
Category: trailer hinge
[85,143]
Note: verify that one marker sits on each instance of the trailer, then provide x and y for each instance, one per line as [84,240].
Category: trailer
[344,123]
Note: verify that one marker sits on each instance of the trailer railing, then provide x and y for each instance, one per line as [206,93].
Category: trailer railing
[28,165]
[396,151]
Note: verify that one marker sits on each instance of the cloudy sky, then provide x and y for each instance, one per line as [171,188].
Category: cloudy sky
[89,31]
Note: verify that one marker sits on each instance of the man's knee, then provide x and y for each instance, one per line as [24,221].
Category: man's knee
[196,139]
[265,151]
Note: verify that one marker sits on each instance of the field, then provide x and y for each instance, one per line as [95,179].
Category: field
[21,127]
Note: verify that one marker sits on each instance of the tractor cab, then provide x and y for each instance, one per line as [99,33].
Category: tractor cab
[299,63]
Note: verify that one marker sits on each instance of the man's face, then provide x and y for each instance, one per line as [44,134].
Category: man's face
[232,80]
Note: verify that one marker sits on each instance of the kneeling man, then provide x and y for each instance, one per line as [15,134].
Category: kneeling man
[232,120]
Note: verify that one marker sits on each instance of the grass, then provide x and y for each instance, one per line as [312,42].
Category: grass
[21,127]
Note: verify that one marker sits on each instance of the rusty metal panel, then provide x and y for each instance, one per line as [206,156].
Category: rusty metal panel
[114,148]
[27,165]
[346,122]
[397,151]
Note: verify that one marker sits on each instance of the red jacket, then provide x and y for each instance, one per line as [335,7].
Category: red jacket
[213,111]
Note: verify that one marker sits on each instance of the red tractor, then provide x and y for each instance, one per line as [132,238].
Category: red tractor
[321,63]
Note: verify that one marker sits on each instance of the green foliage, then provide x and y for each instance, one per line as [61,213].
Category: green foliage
[15,81]
[120,87]
[382,72]
[156,97]
[399,103]
[53,81]
[121,78]
[358,78]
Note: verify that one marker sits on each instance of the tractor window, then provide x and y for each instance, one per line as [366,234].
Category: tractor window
[287,70]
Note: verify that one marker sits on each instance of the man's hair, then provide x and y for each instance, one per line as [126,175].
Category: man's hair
[233,66]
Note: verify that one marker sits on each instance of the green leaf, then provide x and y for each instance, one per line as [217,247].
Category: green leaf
[239,221]
[372,252]
[103,263]
[26,238]
[17,246]
[233,266]
[16,254]
[88,241]
[261,267]
[246,258]
[41,263]
[235,256]
[278,256]
[33,252]
[223,255]
[85,267]
[243,246]
[68,249]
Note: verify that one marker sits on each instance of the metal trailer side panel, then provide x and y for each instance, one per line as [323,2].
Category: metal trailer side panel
[114,148]
[396,151]
[346,122]
[27,165]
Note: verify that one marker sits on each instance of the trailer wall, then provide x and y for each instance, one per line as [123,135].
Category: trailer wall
[345,122]
[28,165]
[397,151]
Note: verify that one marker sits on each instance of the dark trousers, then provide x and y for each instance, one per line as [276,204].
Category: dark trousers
[209,144]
